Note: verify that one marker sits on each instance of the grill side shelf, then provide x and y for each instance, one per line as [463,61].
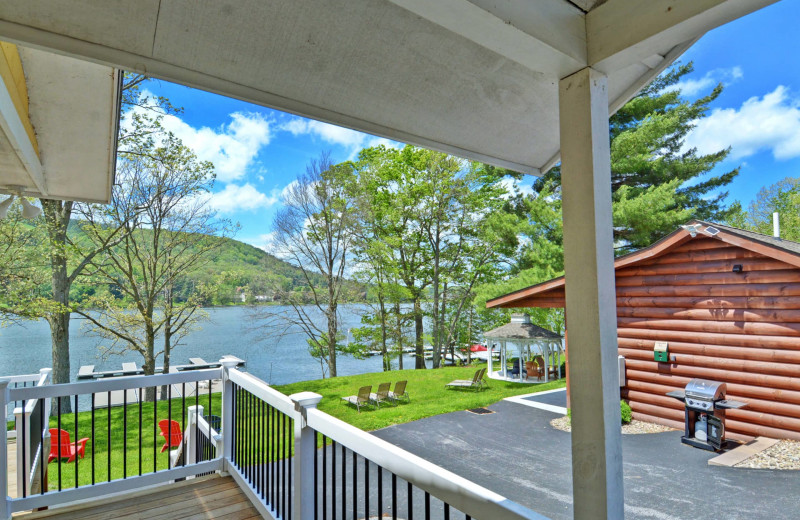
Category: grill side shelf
[727,403]
[677,394]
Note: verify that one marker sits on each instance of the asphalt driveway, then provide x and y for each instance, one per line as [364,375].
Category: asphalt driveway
[515,452]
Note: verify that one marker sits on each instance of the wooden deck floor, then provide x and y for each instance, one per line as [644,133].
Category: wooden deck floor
[212,497]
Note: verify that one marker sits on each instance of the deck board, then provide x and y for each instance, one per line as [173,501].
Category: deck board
[204,498]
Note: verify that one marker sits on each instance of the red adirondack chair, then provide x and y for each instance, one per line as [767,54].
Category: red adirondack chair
[171,431]
[59,439]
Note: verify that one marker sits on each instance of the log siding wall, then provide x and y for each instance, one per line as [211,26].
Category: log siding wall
[739,328]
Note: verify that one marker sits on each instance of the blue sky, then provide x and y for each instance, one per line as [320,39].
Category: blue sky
[258,151]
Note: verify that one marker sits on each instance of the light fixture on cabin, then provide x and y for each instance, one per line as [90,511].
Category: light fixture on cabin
[692,229]
[737,268]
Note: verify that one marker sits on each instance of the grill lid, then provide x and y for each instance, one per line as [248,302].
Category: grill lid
[705,389]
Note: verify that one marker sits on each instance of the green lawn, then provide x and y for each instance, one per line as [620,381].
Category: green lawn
[426,387]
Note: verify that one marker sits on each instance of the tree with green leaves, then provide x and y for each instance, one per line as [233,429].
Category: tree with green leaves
[161,204]
[656,183]
[314,231]
[782,197]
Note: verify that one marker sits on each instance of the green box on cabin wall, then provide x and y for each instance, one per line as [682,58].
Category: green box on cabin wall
[661,351]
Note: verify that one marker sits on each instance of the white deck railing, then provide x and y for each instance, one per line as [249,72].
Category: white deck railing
[129,386]
[261,427]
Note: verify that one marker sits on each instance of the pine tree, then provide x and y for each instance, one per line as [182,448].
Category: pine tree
[656,184]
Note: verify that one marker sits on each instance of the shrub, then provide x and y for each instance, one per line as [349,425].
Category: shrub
[625,412]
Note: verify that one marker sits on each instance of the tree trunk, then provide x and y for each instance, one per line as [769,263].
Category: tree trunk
[57,215]
[418,331]
[399,338]
[387,361]
[149,366]
[167,348]
[332,330]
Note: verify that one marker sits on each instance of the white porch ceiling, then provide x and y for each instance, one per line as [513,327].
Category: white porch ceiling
[476,78]
[73,107]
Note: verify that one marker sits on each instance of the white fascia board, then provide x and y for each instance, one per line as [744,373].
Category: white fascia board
[546,36]
[11,123]
[622,32]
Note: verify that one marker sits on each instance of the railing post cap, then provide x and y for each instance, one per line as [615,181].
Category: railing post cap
[229,362]
[306,399]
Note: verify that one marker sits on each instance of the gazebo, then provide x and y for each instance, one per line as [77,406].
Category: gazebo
[529,339]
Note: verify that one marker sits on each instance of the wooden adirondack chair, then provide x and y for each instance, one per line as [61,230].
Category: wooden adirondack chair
[171,431]
[62,448]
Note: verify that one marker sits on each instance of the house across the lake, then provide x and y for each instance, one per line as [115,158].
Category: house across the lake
[725,304]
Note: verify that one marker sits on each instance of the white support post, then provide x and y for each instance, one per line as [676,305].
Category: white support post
[227,411]
[190,455]
[5,508]
[305,450]
[590,296]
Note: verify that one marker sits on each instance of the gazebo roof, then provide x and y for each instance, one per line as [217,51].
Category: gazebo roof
[521,328]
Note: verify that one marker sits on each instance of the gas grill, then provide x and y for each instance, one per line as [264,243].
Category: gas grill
[705,406]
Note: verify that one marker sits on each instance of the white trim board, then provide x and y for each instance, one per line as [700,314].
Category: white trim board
[521,399]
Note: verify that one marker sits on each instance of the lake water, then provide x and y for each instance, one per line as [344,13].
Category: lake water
[26,348]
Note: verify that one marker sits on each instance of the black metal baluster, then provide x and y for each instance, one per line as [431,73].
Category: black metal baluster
[410,501]
[333,480]
[289,466]
[446,511]
[197,420]
[380,491]
[366,487]
[75,410]
[355,485]
[427,506]
[108,437]
[283,463]
[467,517]
[262,457]
[183,420]
[209,398]
[394,496]
[93,436]
[324,477]
[58,440]
[155,431]
[125,433]
[169,425]
[344,483]
[140,430]
[42,463]
[270,455]
[21,446]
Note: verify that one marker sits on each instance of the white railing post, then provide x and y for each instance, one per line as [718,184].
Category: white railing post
[191,436]
[305,449]
[5,509]
[227,411]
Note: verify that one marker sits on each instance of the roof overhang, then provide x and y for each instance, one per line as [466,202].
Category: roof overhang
[476,78]
[58,125]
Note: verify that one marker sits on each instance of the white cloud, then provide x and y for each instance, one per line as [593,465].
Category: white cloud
[234,198]
[352,140]
[232,148]
[693,87]
[770,123]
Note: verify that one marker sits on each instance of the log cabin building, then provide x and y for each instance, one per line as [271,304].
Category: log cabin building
[727,303]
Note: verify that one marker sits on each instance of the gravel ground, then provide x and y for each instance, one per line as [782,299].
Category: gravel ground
[635,426]
[783,455]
